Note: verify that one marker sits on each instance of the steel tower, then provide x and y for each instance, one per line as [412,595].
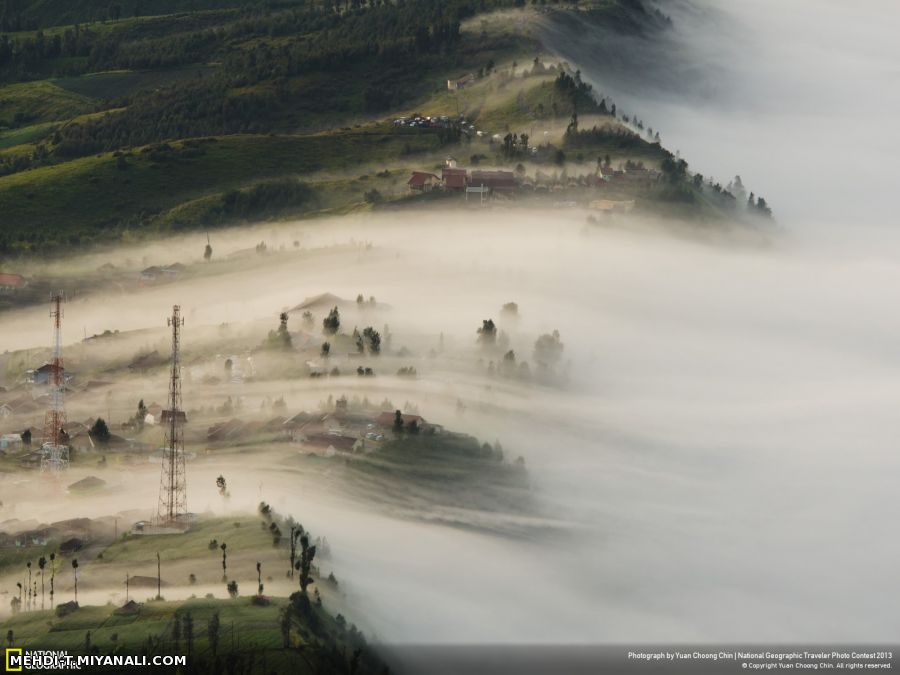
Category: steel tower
[54,448]
[173,486]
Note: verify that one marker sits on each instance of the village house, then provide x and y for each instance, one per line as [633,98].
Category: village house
[156,273]
[331,444]
[84,441]
[454,179]
[11,282]
[150,274]
[42,375]
[464,81]
[235,429]
[496,181]
[421,181]
[10,441]
[386,420]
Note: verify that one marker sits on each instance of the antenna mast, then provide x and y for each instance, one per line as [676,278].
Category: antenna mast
[173,486]
[54,451]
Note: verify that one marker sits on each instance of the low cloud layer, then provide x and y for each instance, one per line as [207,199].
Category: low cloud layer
[725,439]
[798,98]
[721,460]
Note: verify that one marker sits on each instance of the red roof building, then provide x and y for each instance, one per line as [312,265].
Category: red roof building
[9,281]
[454,179]
[386,419]
[497,181]
[422,181]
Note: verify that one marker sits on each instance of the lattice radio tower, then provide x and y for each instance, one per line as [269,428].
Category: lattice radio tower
[54,448]
[172,485]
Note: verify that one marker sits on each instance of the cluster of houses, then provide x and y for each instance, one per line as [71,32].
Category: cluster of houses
[453,179]
[23,404]
[483,184]
[27,398]
[340,431]
[68,536]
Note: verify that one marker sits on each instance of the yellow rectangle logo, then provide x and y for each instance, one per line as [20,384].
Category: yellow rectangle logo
[13,659]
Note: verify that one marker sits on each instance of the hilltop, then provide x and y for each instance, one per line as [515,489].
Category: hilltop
[115,123]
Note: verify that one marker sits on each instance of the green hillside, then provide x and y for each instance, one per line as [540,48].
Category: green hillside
[256,634]
[127,124]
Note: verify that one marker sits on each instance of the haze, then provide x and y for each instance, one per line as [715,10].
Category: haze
[720,464]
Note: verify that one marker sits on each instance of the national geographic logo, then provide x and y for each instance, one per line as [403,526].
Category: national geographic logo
[13,660]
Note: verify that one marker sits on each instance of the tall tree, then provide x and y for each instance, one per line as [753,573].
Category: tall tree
[285,625]
[189,634]
[42,563]
[487,334]
[548,349]
[75,574]
[281,338]
[332,323]
[212,633]
[176,632]
[372,340]
[296,531]
[52,576]
[304,565]
[100,431]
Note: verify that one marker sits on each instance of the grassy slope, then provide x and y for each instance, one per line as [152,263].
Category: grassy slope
[257,628]
[93,192]
[56,15]
[257,625]
[42,101]
[91,198]
[112,85]
[174,189]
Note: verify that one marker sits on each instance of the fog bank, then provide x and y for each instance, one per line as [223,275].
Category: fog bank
[724,445]
[798,98]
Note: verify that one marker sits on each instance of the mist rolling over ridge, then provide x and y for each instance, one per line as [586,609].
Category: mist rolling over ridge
[718,397]
[567,414]
[777,94]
